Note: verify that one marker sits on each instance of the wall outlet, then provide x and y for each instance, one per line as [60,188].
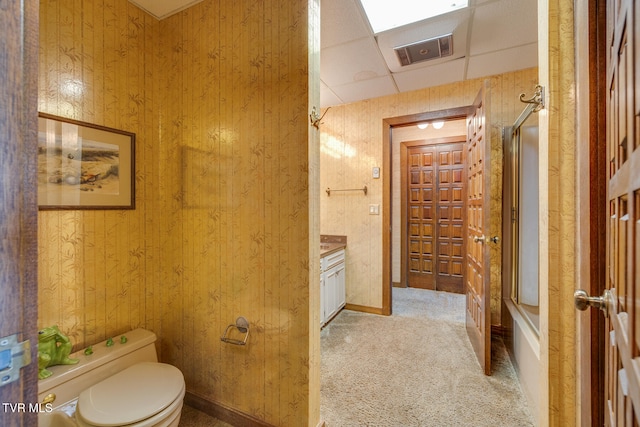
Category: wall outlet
[374,209]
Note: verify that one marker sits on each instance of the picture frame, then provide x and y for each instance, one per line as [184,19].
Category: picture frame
[84,166]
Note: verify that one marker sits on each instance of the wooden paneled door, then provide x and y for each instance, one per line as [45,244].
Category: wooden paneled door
[477,289]
[620,300]
[622,377]
[421,217]
[435,216]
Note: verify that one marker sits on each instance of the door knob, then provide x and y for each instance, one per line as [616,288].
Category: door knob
[484,239]
[582,300]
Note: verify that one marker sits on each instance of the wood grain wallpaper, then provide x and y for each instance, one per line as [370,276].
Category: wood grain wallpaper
[225,225]
[96,268]
[351,144]
[560,213]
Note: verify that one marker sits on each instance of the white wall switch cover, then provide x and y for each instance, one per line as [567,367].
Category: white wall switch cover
[376,172]
[374,209]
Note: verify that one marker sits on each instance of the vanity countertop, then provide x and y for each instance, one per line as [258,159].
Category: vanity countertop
[330,244]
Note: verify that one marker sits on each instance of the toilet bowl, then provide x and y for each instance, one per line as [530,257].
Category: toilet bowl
[158,389]
[117,385]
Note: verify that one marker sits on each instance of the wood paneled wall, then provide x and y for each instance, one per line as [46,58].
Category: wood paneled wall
[236,96]
[225,225]
[559,225]
[97,269]
[351,144]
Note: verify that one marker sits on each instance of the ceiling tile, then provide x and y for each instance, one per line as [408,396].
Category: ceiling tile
[366,89]
[517,58]
[503,24]
[327,97]
[448,72]
[354,61]
[341,22]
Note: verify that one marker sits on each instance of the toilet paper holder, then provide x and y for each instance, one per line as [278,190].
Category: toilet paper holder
[242,325]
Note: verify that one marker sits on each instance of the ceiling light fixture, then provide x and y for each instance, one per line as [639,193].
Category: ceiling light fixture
[422,125]
[385,15]
[437,124]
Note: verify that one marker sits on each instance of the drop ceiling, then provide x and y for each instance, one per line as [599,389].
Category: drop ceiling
[489,37]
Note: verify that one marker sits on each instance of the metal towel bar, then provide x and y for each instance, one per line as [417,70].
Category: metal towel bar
[328,190]
[242,325]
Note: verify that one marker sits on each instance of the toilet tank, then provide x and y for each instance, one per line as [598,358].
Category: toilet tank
[67,381]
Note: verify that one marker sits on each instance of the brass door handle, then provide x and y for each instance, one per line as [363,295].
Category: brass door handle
[484,239]
[582,301]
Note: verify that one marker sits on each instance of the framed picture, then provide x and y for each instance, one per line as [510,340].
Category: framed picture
[84,166]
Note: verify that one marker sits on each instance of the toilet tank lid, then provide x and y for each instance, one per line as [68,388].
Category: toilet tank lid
[131,395]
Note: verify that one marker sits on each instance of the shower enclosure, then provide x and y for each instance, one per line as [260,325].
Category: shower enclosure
[520,290]
[521,220]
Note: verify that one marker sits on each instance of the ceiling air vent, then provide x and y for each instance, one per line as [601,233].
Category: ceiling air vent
[437,47]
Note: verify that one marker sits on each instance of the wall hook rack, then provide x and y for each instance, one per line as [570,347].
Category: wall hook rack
[537,99]
[315,117]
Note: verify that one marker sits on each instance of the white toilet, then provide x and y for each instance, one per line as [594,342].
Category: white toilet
[118,385]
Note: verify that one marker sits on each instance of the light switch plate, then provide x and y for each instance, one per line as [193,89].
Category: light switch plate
[375,172]
[374,209]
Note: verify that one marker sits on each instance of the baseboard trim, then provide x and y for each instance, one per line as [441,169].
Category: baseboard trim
[364,309]
[223,413]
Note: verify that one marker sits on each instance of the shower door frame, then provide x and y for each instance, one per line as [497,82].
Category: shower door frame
[512,198]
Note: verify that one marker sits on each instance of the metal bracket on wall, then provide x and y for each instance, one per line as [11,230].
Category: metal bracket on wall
[315,117]
[537,99]
[13,356]
[242,325]
[363,189]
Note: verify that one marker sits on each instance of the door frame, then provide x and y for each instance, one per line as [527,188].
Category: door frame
[18,202]
[592,199]
[387,124]
[404,146]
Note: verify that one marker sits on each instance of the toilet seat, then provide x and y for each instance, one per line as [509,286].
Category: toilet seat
[132,396]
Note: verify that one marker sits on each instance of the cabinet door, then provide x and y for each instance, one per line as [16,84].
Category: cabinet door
[323,300]
[341,291]
[330,284]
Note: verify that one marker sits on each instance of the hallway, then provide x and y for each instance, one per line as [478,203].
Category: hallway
[414,368]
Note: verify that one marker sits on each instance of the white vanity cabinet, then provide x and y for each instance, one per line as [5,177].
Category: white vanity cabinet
[332,285]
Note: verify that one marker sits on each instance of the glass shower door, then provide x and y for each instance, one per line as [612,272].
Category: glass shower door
[523,165]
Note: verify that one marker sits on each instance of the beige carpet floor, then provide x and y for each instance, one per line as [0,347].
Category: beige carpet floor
[414,368]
